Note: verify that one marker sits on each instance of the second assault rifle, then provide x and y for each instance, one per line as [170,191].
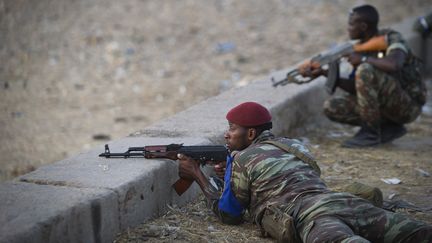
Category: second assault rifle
[331,58]
[204,154]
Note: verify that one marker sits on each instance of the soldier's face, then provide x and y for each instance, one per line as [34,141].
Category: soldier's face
[237,137]
[356,27]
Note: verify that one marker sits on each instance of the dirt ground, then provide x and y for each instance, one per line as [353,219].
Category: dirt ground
[75,74]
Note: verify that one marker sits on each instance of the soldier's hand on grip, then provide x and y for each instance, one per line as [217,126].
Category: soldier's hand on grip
[311,69]
[188,167]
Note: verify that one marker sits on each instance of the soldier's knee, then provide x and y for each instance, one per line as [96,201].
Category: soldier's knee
[365,73]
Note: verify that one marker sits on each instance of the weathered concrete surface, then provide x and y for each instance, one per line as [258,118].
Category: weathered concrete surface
[47,213]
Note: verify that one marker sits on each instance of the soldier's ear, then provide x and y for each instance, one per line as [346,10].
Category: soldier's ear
[251,134]
[364,26]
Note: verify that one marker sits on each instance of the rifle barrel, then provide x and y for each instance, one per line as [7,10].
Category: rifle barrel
[121,155]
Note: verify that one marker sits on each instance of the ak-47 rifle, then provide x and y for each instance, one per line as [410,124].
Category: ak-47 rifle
[331,57]
[204,154]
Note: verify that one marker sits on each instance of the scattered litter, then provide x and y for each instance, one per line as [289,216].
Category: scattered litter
[130,51]
[422,172]
[391,196]
[182,90]
[225,47]
[241,83]
[16,114]
[136,88]
[211,228]
[304,140]
[337,168]
[392,181]
[334,134]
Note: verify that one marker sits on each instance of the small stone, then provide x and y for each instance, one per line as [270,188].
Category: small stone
[422,172]
[101,137]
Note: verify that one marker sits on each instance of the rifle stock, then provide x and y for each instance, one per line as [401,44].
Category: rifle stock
[182,185]
[204,154]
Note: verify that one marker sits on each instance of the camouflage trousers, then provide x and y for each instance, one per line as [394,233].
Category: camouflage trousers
[342,217]
[379,98]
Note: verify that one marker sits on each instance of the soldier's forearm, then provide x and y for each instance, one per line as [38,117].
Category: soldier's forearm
[391,63]
[210,192]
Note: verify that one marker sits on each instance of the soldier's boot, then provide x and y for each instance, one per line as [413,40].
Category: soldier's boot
[391,131]
[367,136]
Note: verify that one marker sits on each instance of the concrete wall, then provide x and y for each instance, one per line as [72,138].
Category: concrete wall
[90,199]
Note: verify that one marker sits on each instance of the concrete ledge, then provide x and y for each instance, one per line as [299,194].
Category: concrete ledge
[90,199]
[45,213]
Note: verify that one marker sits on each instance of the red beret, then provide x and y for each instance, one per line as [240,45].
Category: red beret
[249,114]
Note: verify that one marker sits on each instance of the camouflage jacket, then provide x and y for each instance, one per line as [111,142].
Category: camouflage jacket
[263,174]
[409,76]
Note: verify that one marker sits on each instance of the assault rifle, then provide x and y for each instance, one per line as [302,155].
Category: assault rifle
[204,154]
[331,58]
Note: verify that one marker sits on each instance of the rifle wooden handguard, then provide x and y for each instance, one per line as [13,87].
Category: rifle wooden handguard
[378,43]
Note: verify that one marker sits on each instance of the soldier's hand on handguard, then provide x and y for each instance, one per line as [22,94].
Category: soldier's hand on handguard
[188,167]
[220,169]
[311,69]
[355,59]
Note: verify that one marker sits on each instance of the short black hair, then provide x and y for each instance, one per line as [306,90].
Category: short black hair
[368,14]
[263,127]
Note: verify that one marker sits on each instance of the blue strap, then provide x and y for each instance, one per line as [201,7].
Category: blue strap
[352,74]
[228,203]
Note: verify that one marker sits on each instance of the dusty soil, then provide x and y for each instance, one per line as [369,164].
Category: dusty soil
[407,159]
[75,74]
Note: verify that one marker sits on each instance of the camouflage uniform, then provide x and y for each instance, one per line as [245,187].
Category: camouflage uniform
[263,175]
[380,96]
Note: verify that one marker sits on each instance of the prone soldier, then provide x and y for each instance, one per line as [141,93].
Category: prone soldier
[278,182]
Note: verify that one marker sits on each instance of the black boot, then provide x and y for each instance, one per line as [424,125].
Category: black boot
[391,131]
[367,136]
